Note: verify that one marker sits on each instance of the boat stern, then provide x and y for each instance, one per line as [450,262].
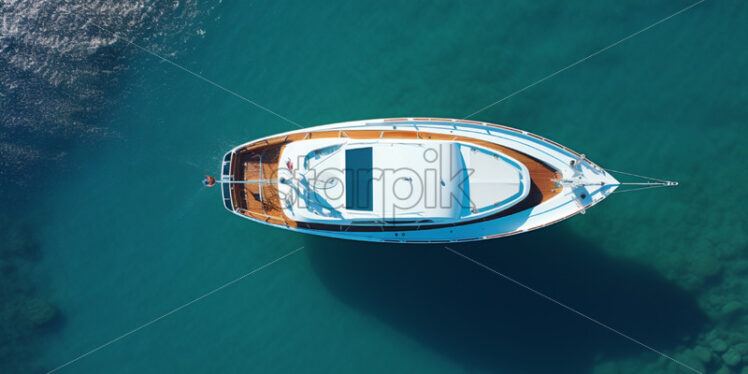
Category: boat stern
[226,176]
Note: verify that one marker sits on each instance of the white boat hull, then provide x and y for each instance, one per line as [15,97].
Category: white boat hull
[585,184]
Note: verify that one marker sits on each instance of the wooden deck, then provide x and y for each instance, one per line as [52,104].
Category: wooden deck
[260,160]
[260,201]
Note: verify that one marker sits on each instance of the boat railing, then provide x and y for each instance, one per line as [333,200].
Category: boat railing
[267,216]
[227,176]
[425,123]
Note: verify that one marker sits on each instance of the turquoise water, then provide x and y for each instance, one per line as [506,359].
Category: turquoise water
[122,231]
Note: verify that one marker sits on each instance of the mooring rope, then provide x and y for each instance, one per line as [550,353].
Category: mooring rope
[573,310]
[154,320]
[635,175]
[649,185]
[641,188]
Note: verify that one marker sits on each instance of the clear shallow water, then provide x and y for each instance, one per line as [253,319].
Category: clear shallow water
[126,232]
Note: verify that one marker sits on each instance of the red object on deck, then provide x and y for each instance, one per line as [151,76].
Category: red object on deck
[289,165]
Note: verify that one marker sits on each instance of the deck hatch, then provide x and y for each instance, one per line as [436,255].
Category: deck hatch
[358,179]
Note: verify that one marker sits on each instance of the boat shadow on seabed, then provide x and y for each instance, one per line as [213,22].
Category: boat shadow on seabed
[485,322]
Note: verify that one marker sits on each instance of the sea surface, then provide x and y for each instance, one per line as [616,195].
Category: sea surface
[105,225]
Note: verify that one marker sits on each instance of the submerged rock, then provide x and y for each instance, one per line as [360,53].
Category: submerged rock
[718,345]
[703,354]
[687,360]
[731,308]
[742,348]
[731,357]
[39,312]
[25,317]
[723,370]
[707,268]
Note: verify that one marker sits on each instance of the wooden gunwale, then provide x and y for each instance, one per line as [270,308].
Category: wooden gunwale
[245,197]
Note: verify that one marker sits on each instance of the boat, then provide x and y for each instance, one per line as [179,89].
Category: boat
[410,180]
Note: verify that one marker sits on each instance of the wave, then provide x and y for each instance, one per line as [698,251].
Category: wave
[58,70]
